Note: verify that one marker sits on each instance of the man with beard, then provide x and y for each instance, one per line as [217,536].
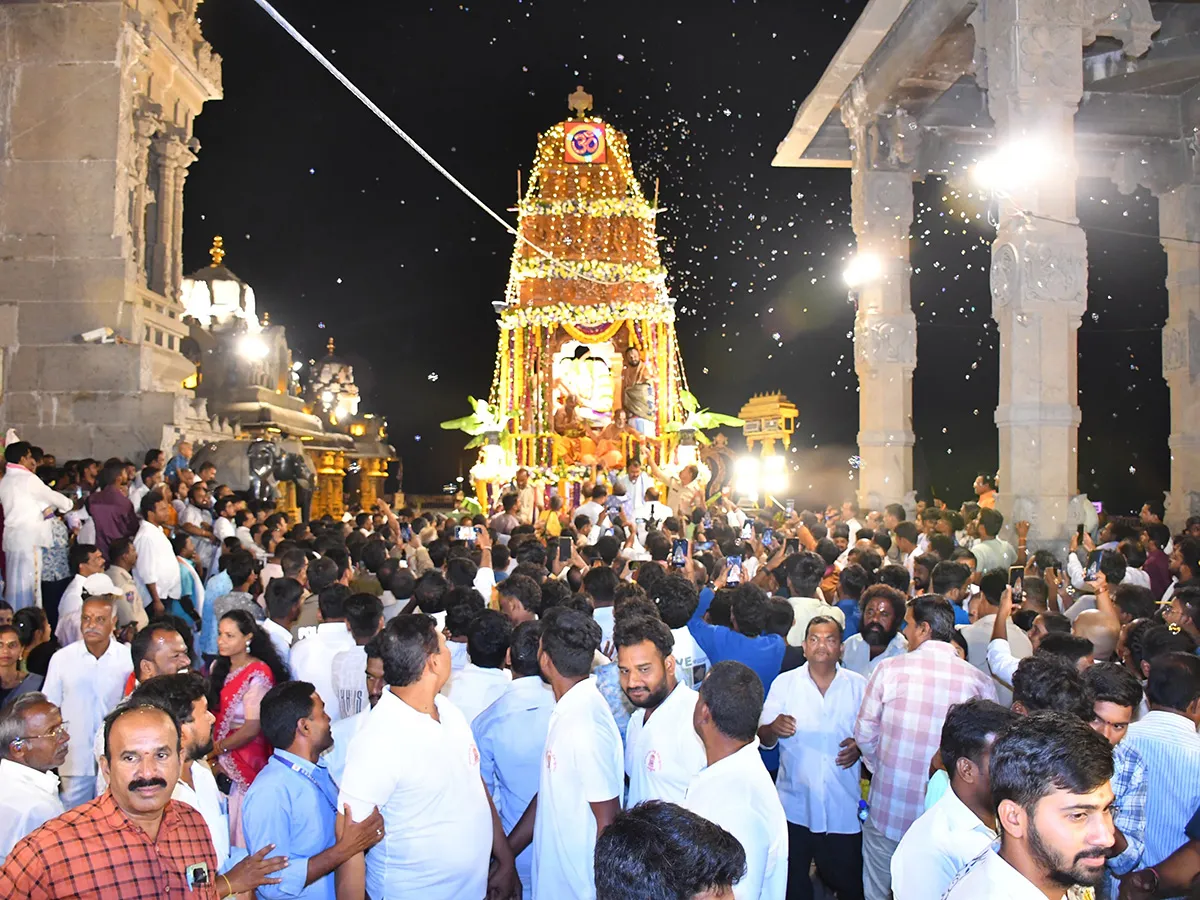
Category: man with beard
[1050,781]
[879,636]
[134,841]
[662,750]
[810,713]
[1183,565]
[292,803]
[962,824]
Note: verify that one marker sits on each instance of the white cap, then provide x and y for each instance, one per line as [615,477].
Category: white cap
[99,585]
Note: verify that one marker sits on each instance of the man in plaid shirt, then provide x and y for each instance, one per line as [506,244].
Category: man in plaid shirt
[900,725]
[132,842]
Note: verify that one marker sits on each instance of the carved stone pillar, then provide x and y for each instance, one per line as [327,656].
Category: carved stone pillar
[146,125]
[1179,217]
[167,154]
[1034,52]
[183,161]
[885,331]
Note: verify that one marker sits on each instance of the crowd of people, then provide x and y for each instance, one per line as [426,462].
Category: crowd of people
[651,695]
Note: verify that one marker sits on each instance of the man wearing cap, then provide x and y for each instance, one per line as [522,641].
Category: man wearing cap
[87,564]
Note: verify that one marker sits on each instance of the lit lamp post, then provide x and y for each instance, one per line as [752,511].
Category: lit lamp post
[769,419]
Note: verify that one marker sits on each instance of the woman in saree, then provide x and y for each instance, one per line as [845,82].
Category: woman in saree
[246,669]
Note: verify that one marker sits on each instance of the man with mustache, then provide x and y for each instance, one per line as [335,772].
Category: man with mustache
[85,680]
[1050,781]
[879,636]
[132,842]
[33,740]
[662,750]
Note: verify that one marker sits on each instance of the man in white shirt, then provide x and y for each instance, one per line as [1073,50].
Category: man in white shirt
[983,609]
[636,483]
[345,730]
[879,636]
[962,824]
[284,597]
[364,618]
[804,573]
[1050,780]
[441,829]
[990,552]
[84,561]
[311,659]
[594,508]
[33,740]
[157,565]
[484,679]
[26,500]
[662,750]
[511,735]
[906,542]
[810,713]
[677,599]
[735,790]
[582,773]
[86,680]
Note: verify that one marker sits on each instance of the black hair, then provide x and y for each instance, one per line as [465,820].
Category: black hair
[332,602]
[941,545]
[883,541]
[967,728]
[177,693]
[523,649]
[1159,533]
[991,521]
[405,647]
[240,566]
[430,592]
[461,571]
[1174,681]
[820,620]
[893,595]
[261,648]
[805,571]
[282,594]
[750,609]
[524,590]
[895,509]
[719,611]
[906,531]
[660,851]
[852,581]
[937,612]
[657,546]
[1054,623]
[632,630]
[130,706]
[1135,601]
[948,575]
[1070,647]
[895,577]
[733,694]
[139,647]
[1155,641]
[1113,683]
[362,613]
[601,583]
[781,616]
[554,592]
[1048,752]
[1047,682]
[570,639]
[488,637]
[78,555]
[993,584]
[322,573]
[608,547]
[1035,590]
[1112,564]
[676,598]
[402,584]
[16,451]
[283,706]
[29,621]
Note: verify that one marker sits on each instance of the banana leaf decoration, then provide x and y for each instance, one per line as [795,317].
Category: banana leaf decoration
[483,421]
[700,420]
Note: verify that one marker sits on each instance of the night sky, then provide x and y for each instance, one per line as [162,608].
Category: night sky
[345,232]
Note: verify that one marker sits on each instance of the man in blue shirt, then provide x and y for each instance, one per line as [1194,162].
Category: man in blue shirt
[747,641]
[950,580]
[292,804]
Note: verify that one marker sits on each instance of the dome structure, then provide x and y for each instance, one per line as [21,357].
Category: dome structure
[332,387]
[214,295]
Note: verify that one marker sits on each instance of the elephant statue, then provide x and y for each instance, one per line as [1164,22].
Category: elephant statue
[256,467]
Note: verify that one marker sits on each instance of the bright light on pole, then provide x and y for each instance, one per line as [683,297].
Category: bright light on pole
[1019,164]
[774,476]
[863,269]
[745,477]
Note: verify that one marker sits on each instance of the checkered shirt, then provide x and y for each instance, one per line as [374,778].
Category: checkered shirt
[93,852]
[899,727]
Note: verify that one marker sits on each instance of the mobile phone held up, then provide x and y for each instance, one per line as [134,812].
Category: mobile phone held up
[465,533]
[1095,558]
[1016,574]
[748,531]
[679,548]
[564,548]
[734,573]
[790,546]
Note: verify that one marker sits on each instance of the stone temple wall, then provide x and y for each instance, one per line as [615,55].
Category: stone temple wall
[97,102]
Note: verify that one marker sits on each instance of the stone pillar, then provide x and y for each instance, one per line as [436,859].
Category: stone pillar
[1179,217]
[1039,265]
[885,333]
[168,152]
[183,161]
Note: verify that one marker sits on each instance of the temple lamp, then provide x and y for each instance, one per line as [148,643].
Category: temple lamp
[765,474]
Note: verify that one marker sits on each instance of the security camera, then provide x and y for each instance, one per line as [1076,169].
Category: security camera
[98,336]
